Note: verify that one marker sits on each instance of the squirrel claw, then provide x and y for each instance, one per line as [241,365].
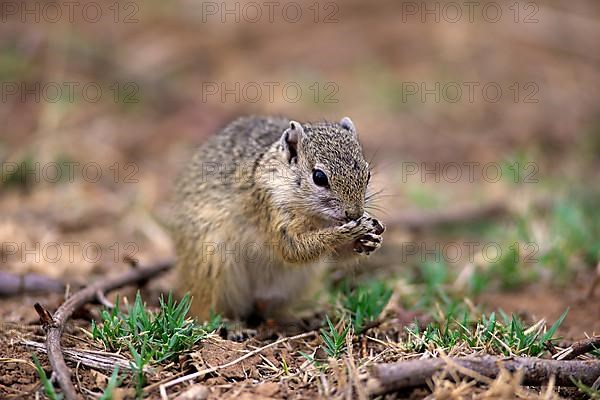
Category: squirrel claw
[367,243]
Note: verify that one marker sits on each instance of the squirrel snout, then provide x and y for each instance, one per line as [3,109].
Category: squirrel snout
[353,215]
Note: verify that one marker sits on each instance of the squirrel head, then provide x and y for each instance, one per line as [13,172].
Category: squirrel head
[328,172]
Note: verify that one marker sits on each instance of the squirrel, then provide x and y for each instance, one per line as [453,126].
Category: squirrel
[260,207]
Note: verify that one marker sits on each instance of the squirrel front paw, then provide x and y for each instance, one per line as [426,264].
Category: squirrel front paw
[374,225]
[372,239]
[365,224]
[364,233]
[368,243]
[353,229]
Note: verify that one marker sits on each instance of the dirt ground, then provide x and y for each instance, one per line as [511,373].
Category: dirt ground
[21,323]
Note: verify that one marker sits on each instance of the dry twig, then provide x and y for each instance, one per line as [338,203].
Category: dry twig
[14,284]
[579,348]
[536,371]
[95,360]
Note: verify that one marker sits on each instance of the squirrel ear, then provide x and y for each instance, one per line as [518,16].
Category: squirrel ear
[289,140]
[347,124]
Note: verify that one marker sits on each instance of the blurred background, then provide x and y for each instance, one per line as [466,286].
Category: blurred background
[482,121]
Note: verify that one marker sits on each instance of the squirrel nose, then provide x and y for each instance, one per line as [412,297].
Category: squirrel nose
[353,215]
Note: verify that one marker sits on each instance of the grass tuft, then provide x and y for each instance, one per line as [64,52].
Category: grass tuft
[155,336]
[505,335]
[150,337]
[334,340]
[140,359]
[365,303]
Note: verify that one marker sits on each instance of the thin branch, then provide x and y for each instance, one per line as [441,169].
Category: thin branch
[388,378]
[164,386]
[45,316]
[55,327]
[103,300]
[14,284]
[90,359]
[579,348]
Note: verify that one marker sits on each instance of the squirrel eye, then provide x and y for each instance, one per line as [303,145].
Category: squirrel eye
[369,177]
[320,178]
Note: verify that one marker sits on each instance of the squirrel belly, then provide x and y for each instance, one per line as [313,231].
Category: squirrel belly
[261,205]
[237,274]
